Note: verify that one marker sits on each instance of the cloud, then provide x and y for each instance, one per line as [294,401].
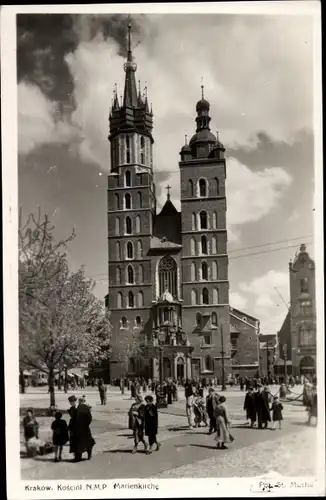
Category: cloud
[238,301]
[37,122]
[264,293]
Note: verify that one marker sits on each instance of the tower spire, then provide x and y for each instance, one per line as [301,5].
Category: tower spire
[130,91]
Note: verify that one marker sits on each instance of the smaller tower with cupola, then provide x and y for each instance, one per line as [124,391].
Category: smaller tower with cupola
[205,285]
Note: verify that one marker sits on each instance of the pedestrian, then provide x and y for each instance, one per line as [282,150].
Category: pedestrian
[312,405]
[30,425]
[262,407]
[189,394]
[84,441]
[72,423]
[60,435]
[174,390]
[249,407]
[241,384]
[137,422]
[210,410]
[222,422]
[277,409]
[151,424]
[169,392]
[102,389]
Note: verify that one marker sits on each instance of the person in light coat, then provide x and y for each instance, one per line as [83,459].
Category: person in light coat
[222,422]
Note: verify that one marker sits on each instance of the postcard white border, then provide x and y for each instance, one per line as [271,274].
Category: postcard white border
[166,487]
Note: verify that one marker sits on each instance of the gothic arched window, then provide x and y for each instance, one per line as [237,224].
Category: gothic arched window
[208,364]
[127,201]
[214,319]
[204,245]
[128,225]
[139,200]
[217,186]
[214,245]
[193,222]
[141,274]
[198,320]
[119,300]
[117,202]
[130,250]
[193,246]
[204,271]
[203,220]
[214,220]
[139,249]
[138,320]
[138,226]
[202,188]
[193,297]
[131,300]
[215,296]
[214,270]
[117,226]
[127,178]
[118,275]
[193,271]
[127,149]
[142,150]
[140,299]
[124,322]
[167,273]
[117,251]
[130,274]
[205,296]
[191,188]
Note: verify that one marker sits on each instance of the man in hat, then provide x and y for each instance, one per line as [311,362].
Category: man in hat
[262,407]
[84,441]
[72,423]
[151,423]
[210,410]
[249,406]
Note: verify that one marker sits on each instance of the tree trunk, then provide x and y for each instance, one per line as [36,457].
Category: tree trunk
[122,385]
[22,381]
[59,381]
[51,387]
[66,381]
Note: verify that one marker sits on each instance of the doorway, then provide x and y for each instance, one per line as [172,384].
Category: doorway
[180,368]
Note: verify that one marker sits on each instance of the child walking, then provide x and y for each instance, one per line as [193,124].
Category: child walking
[277,416]
[60,435]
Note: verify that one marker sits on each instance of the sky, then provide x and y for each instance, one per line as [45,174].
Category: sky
[257,73]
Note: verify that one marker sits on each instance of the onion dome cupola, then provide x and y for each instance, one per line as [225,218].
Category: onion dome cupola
[218,150]
[185,152]
[203,141]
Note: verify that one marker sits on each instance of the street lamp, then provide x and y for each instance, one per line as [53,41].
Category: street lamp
[285,356]
[222,354]
[161,403]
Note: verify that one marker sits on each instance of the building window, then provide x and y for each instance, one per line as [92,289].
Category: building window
[130,275]
[214,270]
[193,246]
[141,274]
[191,188]
[140,299]
[214,219]
[118,275]
[119,300]
[203,241]
[117,251]
[127,149]
[127,178]
[131,301]
[215,296]
[204,271]
[304,285]
[198,320]
[208,364]
[193,222]
[124,322]
[202,188]
[214,245]
[139,249]
[142,150]
[138,226]
[205,296]
[193,297]
[117,202]
[306,335]
[203,220]
[130,250]
[217,186]
[139,200]
[117,226]
[207,340]
[193,271]
[138,321]
[128,225]
[127,201]
[214,319]
[167,273]
[306,308]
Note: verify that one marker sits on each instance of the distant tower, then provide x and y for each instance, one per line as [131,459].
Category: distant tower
[204,246]
[131,209]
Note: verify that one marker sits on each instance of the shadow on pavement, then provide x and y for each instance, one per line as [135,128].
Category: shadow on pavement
[303,424]
[129,436]
[123,450]
[180,428]
[50,459]
[204,446]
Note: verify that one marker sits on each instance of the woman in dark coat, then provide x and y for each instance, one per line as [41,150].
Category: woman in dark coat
[84,440]
[151,423]
[262,407]
[60,435]
[72,423]
[136,422]
[249,406]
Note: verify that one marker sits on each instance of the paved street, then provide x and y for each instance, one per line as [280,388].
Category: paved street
[184,452]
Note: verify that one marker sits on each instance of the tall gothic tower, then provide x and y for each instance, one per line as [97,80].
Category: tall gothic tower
[205,288]
[131,210]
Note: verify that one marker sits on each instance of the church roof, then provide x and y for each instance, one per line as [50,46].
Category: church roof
[167,225]
[301,257]
[168,209]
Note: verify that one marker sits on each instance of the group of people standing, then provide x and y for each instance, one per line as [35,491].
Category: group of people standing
[143,421]
[259,403]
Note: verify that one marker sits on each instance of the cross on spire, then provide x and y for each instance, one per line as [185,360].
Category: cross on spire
[168,190]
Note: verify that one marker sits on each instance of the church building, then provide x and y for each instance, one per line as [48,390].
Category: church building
[168,270]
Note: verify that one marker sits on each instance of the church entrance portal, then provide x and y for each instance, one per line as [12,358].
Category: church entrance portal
[307,366]
[180,368]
